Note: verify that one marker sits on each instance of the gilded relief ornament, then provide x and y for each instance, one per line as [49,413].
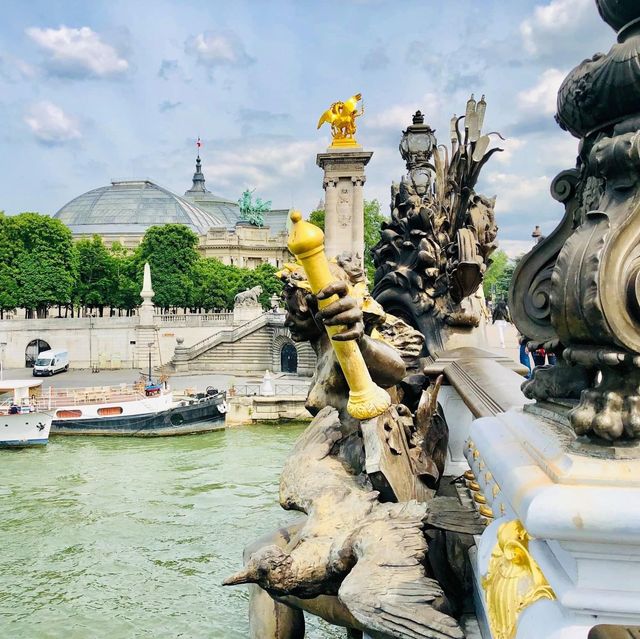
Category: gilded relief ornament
[341,116]
[578,291]
[513,581]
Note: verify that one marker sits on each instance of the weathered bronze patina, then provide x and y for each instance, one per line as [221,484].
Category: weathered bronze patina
[434,251]
[366,487]
[578,291]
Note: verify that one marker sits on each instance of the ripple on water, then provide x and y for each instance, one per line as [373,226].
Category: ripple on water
[130,538]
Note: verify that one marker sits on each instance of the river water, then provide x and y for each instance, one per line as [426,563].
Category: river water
[125,538]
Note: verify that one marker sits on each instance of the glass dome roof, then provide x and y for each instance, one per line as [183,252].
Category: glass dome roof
[132,206]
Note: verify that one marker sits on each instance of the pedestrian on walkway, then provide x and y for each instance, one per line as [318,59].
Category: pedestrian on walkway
[525,358]
[501,317]
[539,356]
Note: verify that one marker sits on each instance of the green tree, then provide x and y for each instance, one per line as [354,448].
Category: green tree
[45,260]
[214,283]
[8,268]
[217,284]
[128,282]
[97,284]
[171,251]
[264,276]
[373,218]
[317,218]
[497,279]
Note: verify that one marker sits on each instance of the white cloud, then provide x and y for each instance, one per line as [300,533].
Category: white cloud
[516,192]
[260,164]
[51,125]
[78,52]
[375,58]
[561,151]
[398,116]
[541,99]
[218,49]
[562,28]
[509,146]
[515,248]
[14,69]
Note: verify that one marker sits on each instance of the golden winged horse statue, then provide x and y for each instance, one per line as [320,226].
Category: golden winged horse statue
[342,118]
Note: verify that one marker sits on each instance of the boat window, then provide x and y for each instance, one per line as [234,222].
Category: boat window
[43,362]
[68,414]
[110,410]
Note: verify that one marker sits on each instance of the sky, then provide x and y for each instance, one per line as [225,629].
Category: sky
[91,91]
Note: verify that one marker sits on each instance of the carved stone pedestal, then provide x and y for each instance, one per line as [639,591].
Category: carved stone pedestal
[562,553]
[344,200]
[243,313]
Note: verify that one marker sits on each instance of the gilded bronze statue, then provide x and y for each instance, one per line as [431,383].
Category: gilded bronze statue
[341,116]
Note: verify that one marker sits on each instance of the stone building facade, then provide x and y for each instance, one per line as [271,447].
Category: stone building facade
[125,209]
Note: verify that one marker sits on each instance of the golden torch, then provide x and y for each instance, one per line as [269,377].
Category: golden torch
[366,399]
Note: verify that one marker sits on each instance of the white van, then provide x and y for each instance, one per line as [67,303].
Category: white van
[51,362]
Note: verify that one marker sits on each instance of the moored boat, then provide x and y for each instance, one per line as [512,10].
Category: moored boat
[133,410]
[22,421]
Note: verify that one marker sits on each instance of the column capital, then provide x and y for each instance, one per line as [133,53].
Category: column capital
[358,180]
[329,181]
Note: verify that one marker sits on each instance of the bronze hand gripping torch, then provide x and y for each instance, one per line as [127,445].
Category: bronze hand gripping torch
[366,399]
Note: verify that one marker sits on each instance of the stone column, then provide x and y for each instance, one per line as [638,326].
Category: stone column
[146,331]
[344,203]
[357,237]
[331,203]
[146,309]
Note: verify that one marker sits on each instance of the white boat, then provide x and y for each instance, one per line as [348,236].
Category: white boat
[132,410]
[22,421]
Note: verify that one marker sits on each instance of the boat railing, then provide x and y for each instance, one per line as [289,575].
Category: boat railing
[56,397]
[24,406]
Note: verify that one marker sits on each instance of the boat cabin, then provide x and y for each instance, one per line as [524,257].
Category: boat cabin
[19,395]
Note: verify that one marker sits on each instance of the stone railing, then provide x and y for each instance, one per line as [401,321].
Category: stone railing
[195,319]
[185,354]
[279,390]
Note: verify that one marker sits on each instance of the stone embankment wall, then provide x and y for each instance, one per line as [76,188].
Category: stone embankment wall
[110,342]
[248,410]
[248,347]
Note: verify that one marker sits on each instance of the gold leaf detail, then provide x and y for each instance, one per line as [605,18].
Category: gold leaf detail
[513,581]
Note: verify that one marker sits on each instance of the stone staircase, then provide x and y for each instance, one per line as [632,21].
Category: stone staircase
[250,348]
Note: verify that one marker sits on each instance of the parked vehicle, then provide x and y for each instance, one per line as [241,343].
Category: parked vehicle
[51,362]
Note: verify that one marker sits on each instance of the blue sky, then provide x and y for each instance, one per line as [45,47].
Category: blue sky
[91,91]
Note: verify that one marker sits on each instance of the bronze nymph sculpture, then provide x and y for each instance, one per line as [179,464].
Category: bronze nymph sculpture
[356,544]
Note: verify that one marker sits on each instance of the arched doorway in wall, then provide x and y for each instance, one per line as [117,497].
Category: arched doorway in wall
[289,358]
[34,347]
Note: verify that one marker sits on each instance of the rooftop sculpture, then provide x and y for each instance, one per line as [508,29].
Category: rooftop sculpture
[578,290]
[253,212]
[434,251]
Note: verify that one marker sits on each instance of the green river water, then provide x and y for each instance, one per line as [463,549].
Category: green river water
[125,538]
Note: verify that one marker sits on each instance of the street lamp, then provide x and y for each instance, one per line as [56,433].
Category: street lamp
[416,148]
